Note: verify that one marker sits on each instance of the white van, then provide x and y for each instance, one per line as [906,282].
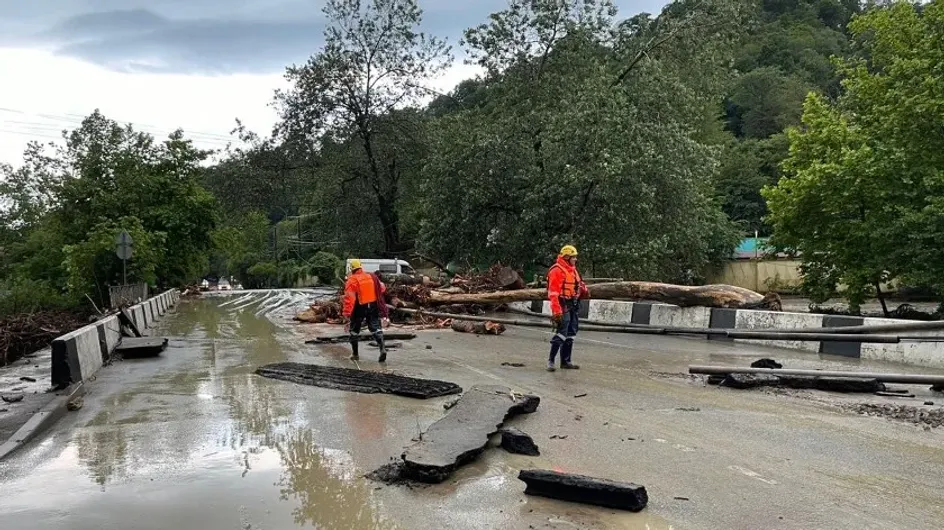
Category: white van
[390,266]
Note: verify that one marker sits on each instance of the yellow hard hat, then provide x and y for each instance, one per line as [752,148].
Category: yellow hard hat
[355,264]
[568,250]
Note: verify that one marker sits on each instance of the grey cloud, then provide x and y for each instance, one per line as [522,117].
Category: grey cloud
[208,36]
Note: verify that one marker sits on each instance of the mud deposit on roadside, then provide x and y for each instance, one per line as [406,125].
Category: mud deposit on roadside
[926,416]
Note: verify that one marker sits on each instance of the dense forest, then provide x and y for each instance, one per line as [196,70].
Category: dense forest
[653,142]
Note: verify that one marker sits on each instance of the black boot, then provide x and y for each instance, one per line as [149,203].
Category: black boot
[566,351]
[354,347]
[383,349]
[555,347]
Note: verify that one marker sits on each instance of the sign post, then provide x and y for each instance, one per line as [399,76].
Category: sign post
[123,247]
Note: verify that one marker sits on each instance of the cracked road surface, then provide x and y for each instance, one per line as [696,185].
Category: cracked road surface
[194,439]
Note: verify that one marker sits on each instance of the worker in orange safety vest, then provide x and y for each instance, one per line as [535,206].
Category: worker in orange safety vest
[364,300]
[564,290]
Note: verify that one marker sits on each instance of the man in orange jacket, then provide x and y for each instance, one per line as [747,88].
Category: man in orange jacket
[565,289]
[364,300]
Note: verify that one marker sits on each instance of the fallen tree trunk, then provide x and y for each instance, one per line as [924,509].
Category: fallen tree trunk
[724,296]
[917,379]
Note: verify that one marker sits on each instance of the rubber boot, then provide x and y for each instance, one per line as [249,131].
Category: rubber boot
[566,351]
[383,349]
[354,348]
[555,347]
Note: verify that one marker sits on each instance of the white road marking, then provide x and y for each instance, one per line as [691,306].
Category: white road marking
[753,474]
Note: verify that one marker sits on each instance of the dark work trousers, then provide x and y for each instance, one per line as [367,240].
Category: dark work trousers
[371,314]
[563,339]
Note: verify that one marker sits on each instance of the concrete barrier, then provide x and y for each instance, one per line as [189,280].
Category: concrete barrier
[774,320]
[109,334]
[137,314]
[683,317]
[929,354]
[78,355]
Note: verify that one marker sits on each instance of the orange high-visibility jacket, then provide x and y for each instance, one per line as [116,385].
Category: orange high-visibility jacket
[563,281]
[362,288]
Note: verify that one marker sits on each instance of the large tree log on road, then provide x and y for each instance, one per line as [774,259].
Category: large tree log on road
[724,296]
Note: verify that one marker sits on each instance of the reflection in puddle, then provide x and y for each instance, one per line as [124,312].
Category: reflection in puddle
[330,493]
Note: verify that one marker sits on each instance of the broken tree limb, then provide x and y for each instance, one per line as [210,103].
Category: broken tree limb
[479,328]
[724,296]
[650,330]
[587,490]
[917,379]
[341,339]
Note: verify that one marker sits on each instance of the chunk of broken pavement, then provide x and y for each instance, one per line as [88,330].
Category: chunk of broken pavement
[744,381]
[583,489]
[715,379]
[462,434]
[12,398]
[519,443]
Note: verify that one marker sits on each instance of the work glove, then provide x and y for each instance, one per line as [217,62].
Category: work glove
[557,320]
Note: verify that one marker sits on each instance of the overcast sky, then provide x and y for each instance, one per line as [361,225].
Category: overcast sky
[163,64]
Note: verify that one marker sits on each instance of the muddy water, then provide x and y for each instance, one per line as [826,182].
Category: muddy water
[199,441]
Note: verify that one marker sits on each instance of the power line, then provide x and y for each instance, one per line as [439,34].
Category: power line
[72,121]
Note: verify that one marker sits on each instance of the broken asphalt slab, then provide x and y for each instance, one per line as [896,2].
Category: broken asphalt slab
[140,347]
[462,434]
[583,489]
[362,381]
[833,384]
[829,384]
[519,443]
[745,381]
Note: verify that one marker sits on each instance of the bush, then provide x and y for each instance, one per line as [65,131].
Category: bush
[28,296]
[327,267]
[261,275]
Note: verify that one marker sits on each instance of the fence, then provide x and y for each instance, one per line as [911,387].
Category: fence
[120,295]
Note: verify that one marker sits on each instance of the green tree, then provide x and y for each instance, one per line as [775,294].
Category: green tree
[573,141]
[785,54]
[862,200]
[60,204]
[92,264]
[374,61]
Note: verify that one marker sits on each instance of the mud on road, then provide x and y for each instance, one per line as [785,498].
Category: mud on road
[196,439]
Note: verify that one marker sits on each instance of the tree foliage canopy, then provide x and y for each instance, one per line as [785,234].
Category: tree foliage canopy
[863,195]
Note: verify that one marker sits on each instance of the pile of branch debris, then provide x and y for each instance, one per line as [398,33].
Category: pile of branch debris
[25,333]
[474,294]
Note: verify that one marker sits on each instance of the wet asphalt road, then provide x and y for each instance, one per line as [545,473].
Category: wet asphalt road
[195,440]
